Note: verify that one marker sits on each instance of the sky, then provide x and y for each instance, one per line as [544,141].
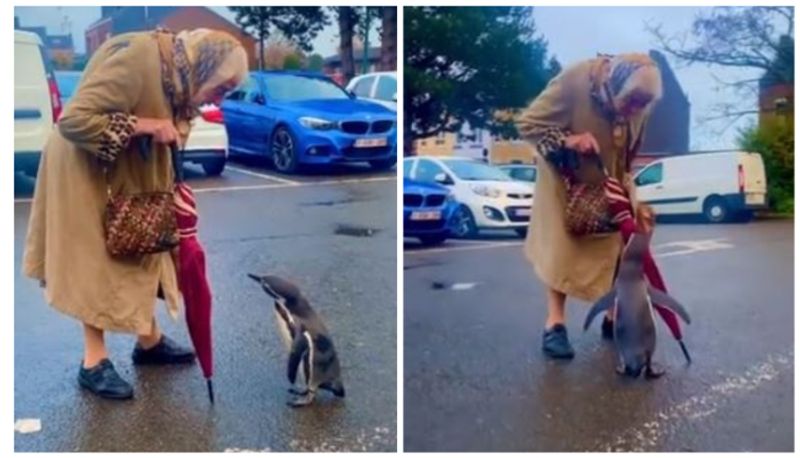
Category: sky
[573,33]
[577,33]
[326,43]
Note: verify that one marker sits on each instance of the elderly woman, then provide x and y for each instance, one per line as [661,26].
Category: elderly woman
[138,84]
[599,106]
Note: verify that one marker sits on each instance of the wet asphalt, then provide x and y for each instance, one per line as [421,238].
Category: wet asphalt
[337,240]
[476,380]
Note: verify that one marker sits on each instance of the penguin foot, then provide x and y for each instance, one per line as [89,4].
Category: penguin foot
[297,392]
[652,372]
[302,401]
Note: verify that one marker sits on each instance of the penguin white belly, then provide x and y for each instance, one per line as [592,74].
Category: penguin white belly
[283,330]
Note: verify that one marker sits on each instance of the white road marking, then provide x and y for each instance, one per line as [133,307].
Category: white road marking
[28,425]
[298,184]
[462,286]
[647,437]
[261,175]
[694,246]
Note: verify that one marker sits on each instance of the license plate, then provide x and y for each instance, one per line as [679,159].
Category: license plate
[426,216]
[754,199]
[370,142]
[523,212]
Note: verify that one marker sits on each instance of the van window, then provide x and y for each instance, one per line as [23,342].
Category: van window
[651,175]
[363,88]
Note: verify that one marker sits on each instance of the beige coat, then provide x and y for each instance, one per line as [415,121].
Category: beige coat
[65,242]
[580,267]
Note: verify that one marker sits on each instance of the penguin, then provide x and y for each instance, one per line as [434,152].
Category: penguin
[307,340]
[632,300]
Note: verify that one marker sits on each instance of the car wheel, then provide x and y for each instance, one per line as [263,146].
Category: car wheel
[383,164]
[214,168]
[464,223]
[715,210]
[283,150]
[522,231]
[430,240]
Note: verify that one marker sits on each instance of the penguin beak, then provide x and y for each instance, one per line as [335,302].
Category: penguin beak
[255,277]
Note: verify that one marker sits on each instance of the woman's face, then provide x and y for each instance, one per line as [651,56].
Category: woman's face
[634,104]
[215,94]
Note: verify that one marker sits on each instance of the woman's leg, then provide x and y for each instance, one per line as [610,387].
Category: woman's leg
[148,341]
[94,346]
[555,308]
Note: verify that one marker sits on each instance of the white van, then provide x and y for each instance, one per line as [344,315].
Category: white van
[721,186]
[37,103]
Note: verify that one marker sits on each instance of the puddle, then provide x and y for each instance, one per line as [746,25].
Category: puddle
[355,231]
[330,203]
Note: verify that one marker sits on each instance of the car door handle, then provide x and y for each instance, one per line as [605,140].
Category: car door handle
[660,187]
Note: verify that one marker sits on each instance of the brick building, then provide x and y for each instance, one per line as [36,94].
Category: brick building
[116,20]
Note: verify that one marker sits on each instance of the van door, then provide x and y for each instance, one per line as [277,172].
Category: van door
[754,179]
[33,112]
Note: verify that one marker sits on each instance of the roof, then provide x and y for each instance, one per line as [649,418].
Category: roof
[40,31]
[374,53]
[22,36]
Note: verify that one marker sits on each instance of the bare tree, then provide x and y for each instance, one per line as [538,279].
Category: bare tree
[388,38]
[759,38]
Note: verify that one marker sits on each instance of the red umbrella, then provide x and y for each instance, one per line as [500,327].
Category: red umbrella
[192,278]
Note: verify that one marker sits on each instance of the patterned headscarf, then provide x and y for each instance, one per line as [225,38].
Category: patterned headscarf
[189,60]
[610,75]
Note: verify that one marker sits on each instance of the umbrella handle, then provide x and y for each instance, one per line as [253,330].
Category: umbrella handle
[685,352]
[145,145]
[210,390]
[177,162]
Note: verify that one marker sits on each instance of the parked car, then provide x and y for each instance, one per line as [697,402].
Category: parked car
[379,87]
[720,186]
[37,103]
[520,172]
[207,144]
[297,118]
[427,211]
[67,81]
[488,198]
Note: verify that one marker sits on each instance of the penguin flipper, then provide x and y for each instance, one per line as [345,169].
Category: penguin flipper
[299,348]
[665,300]
[605,303]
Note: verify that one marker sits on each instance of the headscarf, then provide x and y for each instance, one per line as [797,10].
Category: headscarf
[193,60]
[616,77]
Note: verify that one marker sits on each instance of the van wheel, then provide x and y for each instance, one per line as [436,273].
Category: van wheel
[522,231]
[715,210]
[214,168]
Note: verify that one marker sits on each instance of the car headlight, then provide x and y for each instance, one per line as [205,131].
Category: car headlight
[487,191]
[317,123]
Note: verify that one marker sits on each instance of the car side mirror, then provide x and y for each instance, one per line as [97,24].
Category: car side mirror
[260,99]
[394,97]
[442,178]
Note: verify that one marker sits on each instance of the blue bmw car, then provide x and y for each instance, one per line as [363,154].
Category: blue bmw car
[297,118]
[427,211]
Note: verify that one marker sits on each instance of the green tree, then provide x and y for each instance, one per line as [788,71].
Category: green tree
[465,64]
[299,24]
[774,140]
[315,62]
[293,62]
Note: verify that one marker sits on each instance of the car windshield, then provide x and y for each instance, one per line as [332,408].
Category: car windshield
[67,82]
[296,88]
[476,171]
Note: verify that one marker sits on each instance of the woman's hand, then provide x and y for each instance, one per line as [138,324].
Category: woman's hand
[584,143]
[162,130]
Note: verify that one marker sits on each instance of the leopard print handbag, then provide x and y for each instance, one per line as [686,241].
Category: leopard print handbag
[587,208]
[139,224]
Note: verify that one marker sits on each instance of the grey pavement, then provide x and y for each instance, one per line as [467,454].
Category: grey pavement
[248,223]
[476,380]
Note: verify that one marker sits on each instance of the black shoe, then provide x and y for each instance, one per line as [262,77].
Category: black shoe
[607,328]
[104,381]
[166,351]
[555,343]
